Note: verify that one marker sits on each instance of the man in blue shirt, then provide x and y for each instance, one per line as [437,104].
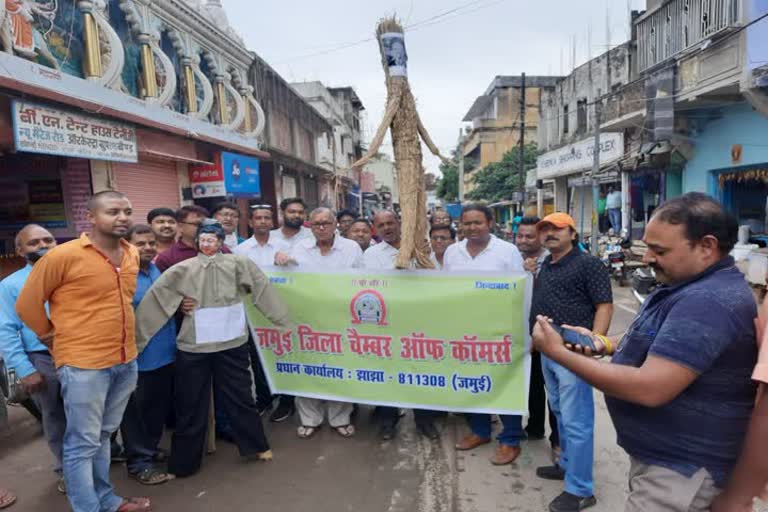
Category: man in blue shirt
[24,352]
[678,389]
[148,407]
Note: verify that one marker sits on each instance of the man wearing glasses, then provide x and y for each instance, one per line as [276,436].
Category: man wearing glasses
[440,237]
[326,251]
[189,219]
[228,215]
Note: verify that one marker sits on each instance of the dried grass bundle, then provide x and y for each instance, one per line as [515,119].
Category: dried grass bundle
[402,118]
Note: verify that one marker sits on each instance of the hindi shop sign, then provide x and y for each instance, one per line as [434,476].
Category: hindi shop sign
[42,129]
[417,339]
[579,156]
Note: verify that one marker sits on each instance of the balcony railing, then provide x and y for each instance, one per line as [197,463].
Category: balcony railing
[682,24]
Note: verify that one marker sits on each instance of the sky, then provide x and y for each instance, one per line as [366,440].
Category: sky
[455,47]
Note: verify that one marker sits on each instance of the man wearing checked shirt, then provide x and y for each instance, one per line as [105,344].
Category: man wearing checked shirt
[22,349]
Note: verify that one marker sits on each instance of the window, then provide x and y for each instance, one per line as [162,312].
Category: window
[581,115]
[565,118]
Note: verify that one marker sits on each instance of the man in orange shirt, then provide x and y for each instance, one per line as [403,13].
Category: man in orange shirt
[89,285]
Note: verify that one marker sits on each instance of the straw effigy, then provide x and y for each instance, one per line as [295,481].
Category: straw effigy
[407,129]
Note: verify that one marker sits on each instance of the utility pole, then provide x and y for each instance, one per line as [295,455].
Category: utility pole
[461,166]
[522,142]
[595,187]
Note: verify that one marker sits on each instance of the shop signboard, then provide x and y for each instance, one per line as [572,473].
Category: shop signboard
[52,131]
[207,180]
[579,156]
[241,174]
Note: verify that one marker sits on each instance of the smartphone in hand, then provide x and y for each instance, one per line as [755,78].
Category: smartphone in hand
[574,337]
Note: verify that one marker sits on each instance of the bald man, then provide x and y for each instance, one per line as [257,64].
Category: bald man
[24,352]
[89,285]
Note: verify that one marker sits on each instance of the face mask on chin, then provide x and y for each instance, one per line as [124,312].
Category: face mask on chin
[35,256]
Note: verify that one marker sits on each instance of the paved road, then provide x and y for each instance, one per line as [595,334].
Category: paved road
[331,474]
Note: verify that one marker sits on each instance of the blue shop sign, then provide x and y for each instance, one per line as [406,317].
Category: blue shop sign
[241,174]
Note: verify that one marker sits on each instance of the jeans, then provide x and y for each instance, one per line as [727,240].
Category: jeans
[49,402]
[573,403]
[614,214]
[94,402]
[510,435]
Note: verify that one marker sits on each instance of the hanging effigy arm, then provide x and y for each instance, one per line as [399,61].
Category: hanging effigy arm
[428,141]
[392,106]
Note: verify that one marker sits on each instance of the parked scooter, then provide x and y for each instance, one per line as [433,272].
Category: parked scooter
[615,257]
[643,283]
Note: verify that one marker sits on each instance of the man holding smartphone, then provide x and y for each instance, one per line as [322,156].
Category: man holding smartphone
[572,288]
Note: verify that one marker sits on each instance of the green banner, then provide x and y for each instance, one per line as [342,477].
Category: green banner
[413,339]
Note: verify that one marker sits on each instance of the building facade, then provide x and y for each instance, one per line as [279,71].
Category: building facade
[495,119]
[125,95]
[339,148]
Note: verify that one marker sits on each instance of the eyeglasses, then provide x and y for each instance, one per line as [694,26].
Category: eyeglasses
[196,224]
[322,225]
[261,207]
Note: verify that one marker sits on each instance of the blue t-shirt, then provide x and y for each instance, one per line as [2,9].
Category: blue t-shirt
[161,349]
[705,324]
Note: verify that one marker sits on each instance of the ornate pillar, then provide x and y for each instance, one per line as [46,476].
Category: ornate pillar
[92,55]
[221,99]
[190,91]
[148,71]
[248,122]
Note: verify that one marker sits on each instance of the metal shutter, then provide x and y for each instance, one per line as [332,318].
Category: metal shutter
[148,184]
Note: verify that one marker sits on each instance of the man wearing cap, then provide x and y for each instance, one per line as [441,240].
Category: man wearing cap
[572,288]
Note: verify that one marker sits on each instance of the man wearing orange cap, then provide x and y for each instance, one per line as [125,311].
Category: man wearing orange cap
[572,288]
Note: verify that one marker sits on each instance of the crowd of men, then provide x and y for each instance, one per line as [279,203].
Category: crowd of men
[117,331]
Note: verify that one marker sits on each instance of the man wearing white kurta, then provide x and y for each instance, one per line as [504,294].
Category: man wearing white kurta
[326,251]
[382,257]
[480,250]
[262,247]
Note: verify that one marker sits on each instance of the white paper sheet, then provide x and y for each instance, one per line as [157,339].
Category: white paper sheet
[215,325]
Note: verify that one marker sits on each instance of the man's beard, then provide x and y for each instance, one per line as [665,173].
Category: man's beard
[293,223]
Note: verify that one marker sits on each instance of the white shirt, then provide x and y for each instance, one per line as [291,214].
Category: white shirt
[344,254]
[613,200]
[261,255]
[230,241]
[433,258]
[497,256]
[303,234]
[381,256]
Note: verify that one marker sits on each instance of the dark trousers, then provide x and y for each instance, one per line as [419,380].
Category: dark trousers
[145,416]
[389,416]
[263,393]
[537,404]
[230,373]
[50,404]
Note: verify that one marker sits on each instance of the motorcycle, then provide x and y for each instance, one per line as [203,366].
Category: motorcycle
[615,258]
[11,393]
[643,283]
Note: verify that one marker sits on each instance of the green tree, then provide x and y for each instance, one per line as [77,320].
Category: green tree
[448,184]
[497,181]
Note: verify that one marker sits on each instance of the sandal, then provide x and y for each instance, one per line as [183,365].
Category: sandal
[135,505]
[7,498]
[305,432]
[345,430]
[260,457]
[150,476]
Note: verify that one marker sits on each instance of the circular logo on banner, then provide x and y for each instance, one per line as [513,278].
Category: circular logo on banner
[368,307]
